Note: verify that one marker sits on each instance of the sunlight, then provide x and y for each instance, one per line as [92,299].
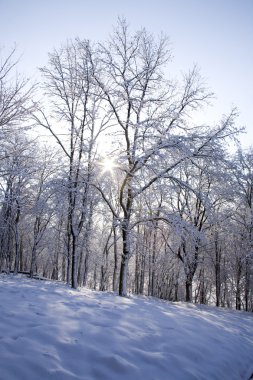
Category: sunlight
[108,164]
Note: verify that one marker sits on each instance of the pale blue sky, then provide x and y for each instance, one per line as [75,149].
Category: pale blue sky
[215,34]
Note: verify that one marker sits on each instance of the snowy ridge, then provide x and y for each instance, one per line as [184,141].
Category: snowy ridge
[49,331]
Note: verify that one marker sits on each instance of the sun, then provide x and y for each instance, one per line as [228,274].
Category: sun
[108,164]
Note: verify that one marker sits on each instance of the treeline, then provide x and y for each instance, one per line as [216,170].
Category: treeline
[129,194]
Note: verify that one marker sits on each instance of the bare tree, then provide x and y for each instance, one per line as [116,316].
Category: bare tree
[17,169]
[16,102]
[151,117]
[243,185]
[74,104]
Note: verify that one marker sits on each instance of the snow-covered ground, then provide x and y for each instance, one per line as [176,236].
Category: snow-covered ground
[48,331]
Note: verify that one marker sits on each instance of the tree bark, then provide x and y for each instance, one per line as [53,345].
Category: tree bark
[115,269]
[188,288]
[124,261]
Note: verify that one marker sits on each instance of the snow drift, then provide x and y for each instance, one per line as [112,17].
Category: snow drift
[49,331]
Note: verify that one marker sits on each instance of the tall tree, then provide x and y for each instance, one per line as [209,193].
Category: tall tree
[151,120]
[16,102]
[243,186]
[75,125]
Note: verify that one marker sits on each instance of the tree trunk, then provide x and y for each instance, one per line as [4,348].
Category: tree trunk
[202,290]
[86,268]
[17,251]
[115,269]
[143,262]
[21,256]
[247,284]
[68,250]
[176,287]
[154,247]
[80,269]
[217,271]
[123,276]
[238,284]
[74,263]
[217,280]
[55,273]
[17,240]
[124,261]
[33,261]
[188,288]
[63,267]
[95,278]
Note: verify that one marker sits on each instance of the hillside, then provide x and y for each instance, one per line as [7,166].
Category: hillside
[49,331]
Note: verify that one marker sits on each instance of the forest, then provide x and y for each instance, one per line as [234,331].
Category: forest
[108,181]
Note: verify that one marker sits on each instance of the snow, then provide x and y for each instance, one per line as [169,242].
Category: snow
[49,331]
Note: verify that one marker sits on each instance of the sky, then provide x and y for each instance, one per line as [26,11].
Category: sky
[217,35]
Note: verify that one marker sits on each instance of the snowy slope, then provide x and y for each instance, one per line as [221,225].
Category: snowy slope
[48,331]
